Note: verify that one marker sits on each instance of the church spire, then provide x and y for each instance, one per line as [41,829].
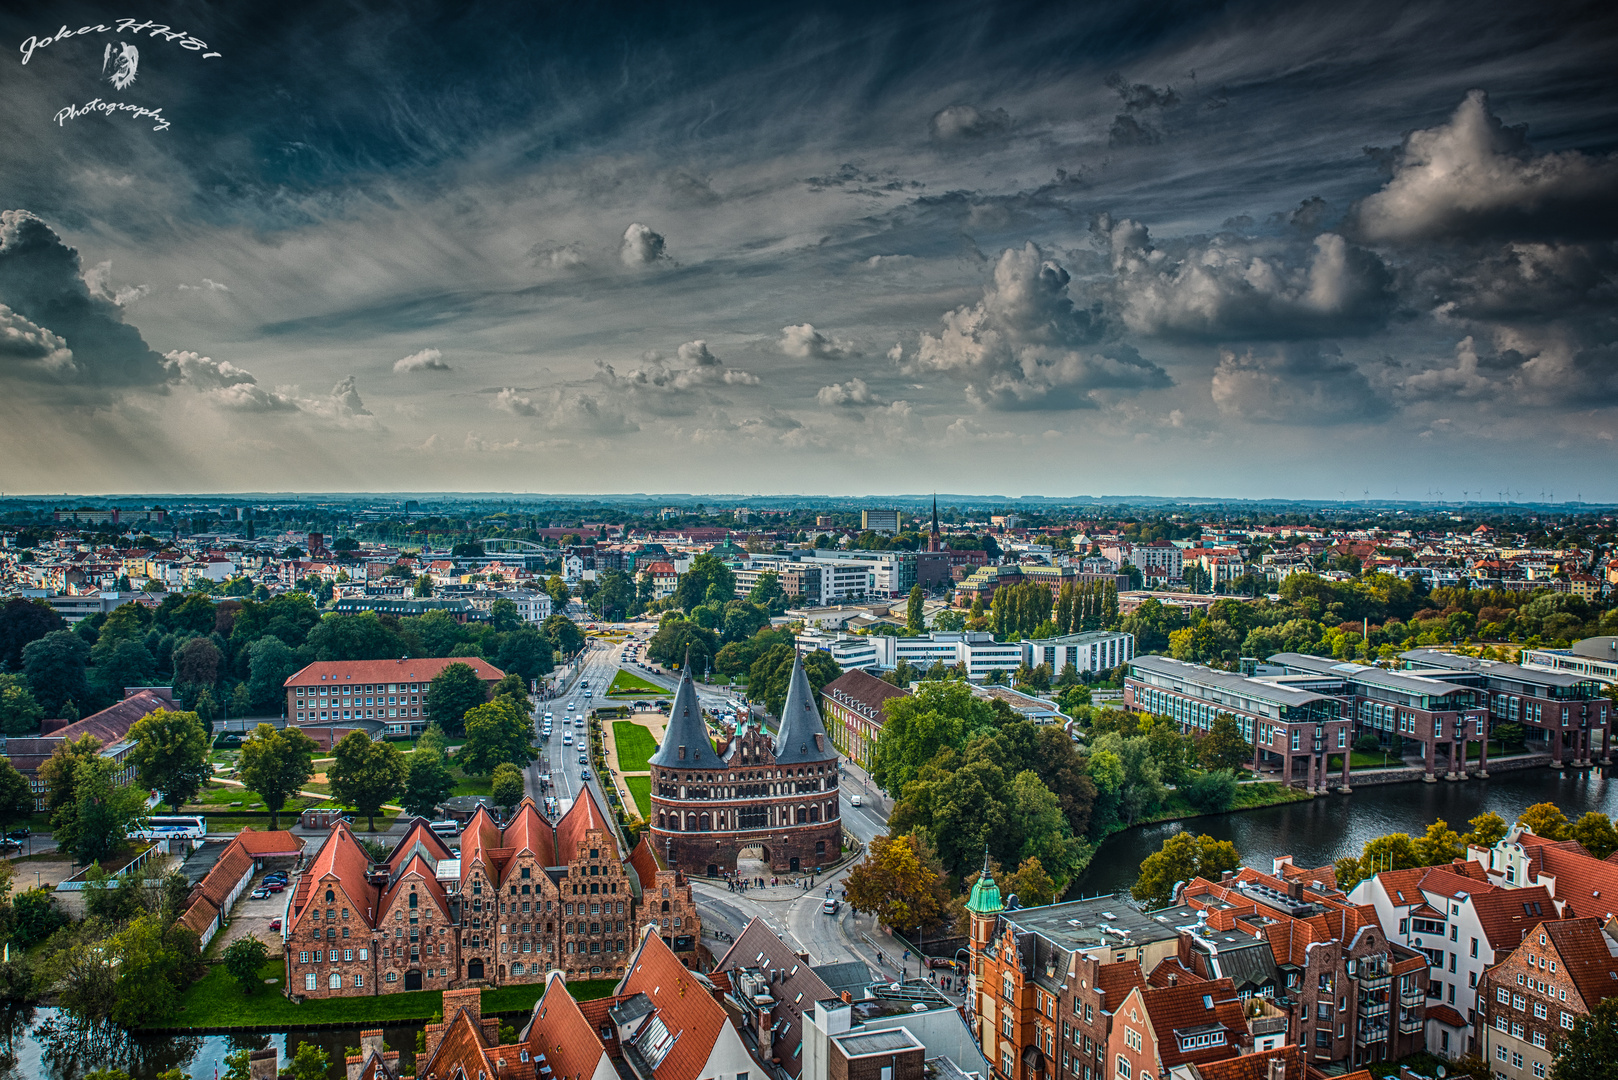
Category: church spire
[933,544]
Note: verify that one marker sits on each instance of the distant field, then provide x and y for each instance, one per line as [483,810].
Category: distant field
[635,745]
[625,683]
[640,789]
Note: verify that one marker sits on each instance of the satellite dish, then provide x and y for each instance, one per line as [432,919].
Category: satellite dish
[1442,1072]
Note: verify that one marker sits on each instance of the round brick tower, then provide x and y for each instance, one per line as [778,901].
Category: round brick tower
[777,795]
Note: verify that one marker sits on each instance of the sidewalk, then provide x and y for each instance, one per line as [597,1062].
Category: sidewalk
[871,795]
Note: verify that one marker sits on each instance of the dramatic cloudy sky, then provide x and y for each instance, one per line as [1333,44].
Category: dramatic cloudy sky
[1079,248]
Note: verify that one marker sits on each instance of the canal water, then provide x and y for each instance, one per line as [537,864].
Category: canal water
[1324,829]
[46,1044]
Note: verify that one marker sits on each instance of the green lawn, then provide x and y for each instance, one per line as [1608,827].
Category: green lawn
[625,683]
[471,785]
[640,789]
[217,1001]
[635,745]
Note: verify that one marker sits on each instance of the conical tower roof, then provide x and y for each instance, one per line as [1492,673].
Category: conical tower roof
[985,898]
[686,729]
[802,738]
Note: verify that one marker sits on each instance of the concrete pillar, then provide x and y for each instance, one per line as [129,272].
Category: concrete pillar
[1429,751]
[1606,743]
[1347,755]
[1457,753]
[1556,748]
[1483,751]
[1320,777]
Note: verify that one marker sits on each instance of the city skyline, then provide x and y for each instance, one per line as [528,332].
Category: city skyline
[1252,253]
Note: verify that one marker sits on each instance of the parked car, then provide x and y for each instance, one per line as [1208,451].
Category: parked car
[276,886]
[10,845]
[275,924]
[277,877]
[18,834]
[260,894]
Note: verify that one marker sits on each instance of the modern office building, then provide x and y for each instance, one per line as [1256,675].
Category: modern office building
[1289,726]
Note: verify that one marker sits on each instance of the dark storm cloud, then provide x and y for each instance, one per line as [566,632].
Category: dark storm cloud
[41,281]
[1309,384]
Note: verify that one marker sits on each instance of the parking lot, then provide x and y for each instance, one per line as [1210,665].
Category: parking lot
[251,916]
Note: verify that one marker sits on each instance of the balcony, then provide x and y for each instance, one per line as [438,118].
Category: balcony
[1370,1034]
[1411,1022]
[1371,1006]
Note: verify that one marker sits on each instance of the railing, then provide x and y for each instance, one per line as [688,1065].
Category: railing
[1267,1025]
[1411,1022]
[1366,1034]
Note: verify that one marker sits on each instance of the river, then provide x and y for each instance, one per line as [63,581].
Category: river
[44,1044]
[1323,830]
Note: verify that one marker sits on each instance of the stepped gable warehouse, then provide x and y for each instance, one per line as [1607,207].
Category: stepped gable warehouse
[519,902]
[390,692]
[776,797]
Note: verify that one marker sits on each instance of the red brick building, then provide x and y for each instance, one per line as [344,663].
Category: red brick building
[518,903]
[390,692]
[1529,1002]
[856,709]
[776,796]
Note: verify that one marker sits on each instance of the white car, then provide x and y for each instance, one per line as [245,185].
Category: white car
[856,800]
[567,738]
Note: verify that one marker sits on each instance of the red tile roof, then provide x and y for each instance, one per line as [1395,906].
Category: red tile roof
[1585,956]
[420,669]
[691,1015]
[643,860]
[112,724]
[1507,914]
[1115,981]
[1255,1066]
[342,857]
[1187,1006]
[417,838]
[459,1047]
[269,843]
[1446,1016]
[1586,885]
[434,887]
[584,815]
[530,832]
[560,1031]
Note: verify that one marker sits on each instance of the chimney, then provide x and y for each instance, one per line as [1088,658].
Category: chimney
[1295,890]
[1174,978]
[1226,876]
[263,1064]
[491,1030]
[766,1024]
[1278,1068]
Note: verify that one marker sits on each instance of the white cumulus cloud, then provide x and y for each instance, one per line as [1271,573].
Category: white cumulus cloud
[641,246]
[424,360]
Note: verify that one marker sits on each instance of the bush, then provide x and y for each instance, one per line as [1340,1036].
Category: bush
[1212,791]
[1367,744]
[35,916]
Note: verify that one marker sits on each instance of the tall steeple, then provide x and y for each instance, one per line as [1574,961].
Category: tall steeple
[802,738]
[685,740]
[933,542]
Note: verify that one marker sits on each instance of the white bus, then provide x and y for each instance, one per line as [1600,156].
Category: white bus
[445,830]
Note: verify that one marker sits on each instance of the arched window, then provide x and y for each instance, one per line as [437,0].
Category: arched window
[331,897]
[334,982]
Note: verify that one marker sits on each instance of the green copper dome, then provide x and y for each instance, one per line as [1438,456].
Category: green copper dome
[985,898]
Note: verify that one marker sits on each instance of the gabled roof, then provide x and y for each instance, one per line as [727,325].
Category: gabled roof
[1254,1066]
[802,737]
[430,882]
[681,1002]
[862,690]
[643,860]
[583,816]
[758,947]
[460,1047]
[1196,1005]
[1587,956]
[1115,981]
[1507,914]
[418,669]
[529,832]
[686,731]
[112,724]
[559,1030]
[1586,885]
[340,855]
[479,840]
[419,839]
[269,843]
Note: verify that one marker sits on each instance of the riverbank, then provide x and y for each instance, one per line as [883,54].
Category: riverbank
[215,1003]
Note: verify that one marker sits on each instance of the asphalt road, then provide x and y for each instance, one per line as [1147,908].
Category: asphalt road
[794,914]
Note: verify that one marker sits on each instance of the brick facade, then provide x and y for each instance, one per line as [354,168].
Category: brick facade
[777,794]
